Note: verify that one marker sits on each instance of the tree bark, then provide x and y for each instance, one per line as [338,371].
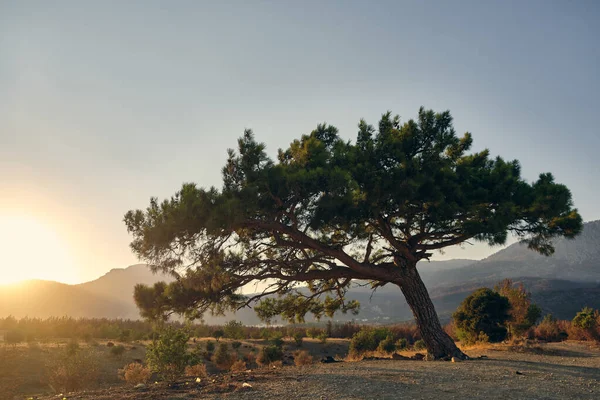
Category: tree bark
[439,344]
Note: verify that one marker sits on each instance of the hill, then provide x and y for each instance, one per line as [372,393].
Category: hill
[561,284]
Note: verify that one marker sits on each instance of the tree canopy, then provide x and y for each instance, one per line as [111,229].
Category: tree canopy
[328,211]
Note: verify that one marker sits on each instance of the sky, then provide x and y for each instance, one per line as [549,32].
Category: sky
[104,104]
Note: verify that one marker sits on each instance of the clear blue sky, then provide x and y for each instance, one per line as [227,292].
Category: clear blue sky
[106,103]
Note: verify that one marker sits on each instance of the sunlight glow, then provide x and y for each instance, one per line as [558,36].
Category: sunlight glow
[30,249]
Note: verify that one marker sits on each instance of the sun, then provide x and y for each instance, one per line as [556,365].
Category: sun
[30,249]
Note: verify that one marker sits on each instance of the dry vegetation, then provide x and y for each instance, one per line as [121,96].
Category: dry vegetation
[284,362]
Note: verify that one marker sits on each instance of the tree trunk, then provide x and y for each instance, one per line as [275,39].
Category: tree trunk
[439,344]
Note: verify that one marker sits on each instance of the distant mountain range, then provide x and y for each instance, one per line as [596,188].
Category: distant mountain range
[561,285]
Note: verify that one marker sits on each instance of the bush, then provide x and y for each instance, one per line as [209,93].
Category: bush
[196,371]
[72,347]
[323,337]
[72,372]
[523,314]
[210,346]
[234,330]
[269,354]
[401,344]
[238,366]
[222,358]
[302,357]
[236,345]
[218,334]
[277,339]
[110,344]
[586,321]
[135,373]
[420,345]
[14,337]
[298,338]
[117,351]
[313,332]
[483,311]
[167,355]
[549,330]
[387,345]
[367,339]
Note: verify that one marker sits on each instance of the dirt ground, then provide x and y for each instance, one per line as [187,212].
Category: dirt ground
[548,371]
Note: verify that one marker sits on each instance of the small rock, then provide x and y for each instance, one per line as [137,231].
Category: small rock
[140,386]
[518,373]
[246,385]
[455,360]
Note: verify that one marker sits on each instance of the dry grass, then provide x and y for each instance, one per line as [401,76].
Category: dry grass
[135,373]
[238,366]
[302,357]
[196,371]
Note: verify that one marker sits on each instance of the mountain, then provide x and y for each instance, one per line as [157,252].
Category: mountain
[44,299]
[574,259]
[561,284]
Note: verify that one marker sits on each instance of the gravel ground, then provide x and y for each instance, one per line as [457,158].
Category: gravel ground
[553,371]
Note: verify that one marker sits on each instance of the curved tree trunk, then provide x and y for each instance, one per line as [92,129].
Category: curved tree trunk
[439,344]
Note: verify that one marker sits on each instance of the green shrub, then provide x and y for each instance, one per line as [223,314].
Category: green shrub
[167,355]
[210,346]
[483,311]
[367,339]
[236,345]
[117,351]
[277,339]
[72,347]
[234,330]
[401,344]
[298,338]
[323,337]
[269,354]
[387,345]
[586,321]
[222,358]
[218,334]
[420,345]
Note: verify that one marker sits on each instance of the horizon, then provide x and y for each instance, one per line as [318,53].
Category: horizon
[109,104]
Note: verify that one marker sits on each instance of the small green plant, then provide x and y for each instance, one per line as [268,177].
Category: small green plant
[387,345]
[420,345]
[298,338]
[269,354]
[277,339]
[210,346]
[72,347]
[401,344]
[586,321]
[367,339]
[483,311]
[322,337]
[218,334]
[117,351]
[234,330]
[236,345]
[222,358]
[167,355]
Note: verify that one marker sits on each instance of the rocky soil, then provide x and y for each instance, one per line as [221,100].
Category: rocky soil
[552,371]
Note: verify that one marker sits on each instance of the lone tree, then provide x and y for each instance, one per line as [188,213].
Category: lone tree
[328,212]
